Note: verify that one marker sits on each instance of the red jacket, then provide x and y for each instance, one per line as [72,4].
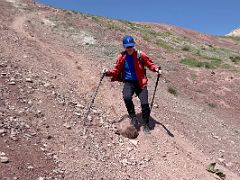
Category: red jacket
[119,67]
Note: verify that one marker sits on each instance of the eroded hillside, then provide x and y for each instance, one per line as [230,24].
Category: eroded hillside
[50,64]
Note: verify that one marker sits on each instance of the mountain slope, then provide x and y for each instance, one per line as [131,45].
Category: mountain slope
[234,33]
[50,66]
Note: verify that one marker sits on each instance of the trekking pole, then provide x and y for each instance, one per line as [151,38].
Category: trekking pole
[155,91]
[92,101]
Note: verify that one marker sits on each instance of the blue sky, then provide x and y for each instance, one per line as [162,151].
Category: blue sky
[216,17]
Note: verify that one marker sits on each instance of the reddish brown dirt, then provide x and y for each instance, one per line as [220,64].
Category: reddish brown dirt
[48,73]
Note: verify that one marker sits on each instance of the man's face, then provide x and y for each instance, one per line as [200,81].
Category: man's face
[130,50]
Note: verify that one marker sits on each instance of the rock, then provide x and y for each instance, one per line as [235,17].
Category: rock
[14,138]
[13,135]
[229,164]
[33,134]
[215,137]
[2,154]
[78,114]
[101,121]
[221,159]
[26,125]
[2,131]
[89,118]
[80,106]
[39,114]
[94,111]
[29,80]
[41,178]
[30,102]
[125,162]
[30,167]
[12,83]
[11,178]
[129,132]
[129,149]
[49,137]
[134,142]
[4,159]
[147,159]
[47,85]
[67,125]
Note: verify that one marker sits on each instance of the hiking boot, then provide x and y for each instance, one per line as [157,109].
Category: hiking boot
[146,129]
[134,121]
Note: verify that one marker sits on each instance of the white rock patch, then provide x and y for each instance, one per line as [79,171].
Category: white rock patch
[48,22]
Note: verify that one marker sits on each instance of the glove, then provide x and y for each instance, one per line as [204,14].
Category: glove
[159,71]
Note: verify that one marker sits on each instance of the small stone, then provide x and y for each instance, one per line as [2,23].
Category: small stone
[28,135]
[229,164]
[33,134]
[13,135]
[95,111]
[49,137]
[30,167]
[46,85]
[134,142]
[80,106]
[26,126]
[14,138]
[78,114]
[43,149]
[41,178]
[101,121]
[2,154]
[124,161]
[39,114]
[147,159]
[215,137]
[2,131]
[89,118]
[30,102]
[12,83]
[4,159]
[129,149]
[221,159]
[67,125]
[29,80]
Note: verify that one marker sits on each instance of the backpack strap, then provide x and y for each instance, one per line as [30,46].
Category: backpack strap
[139,57]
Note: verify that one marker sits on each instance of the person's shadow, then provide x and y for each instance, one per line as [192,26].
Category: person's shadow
[152,123]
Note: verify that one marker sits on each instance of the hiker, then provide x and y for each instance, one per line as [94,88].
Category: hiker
[130,69]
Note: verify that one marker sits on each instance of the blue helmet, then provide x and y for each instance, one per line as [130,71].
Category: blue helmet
[128,41]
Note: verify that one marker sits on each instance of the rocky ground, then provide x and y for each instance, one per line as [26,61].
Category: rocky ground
[50,64]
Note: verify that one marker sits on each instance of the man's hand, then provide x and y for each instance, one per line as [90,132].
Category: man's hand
[105,71]
[159,71]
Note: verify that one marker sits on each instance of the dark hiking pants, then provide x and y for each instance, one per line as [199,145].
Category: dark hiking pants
[131,87]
